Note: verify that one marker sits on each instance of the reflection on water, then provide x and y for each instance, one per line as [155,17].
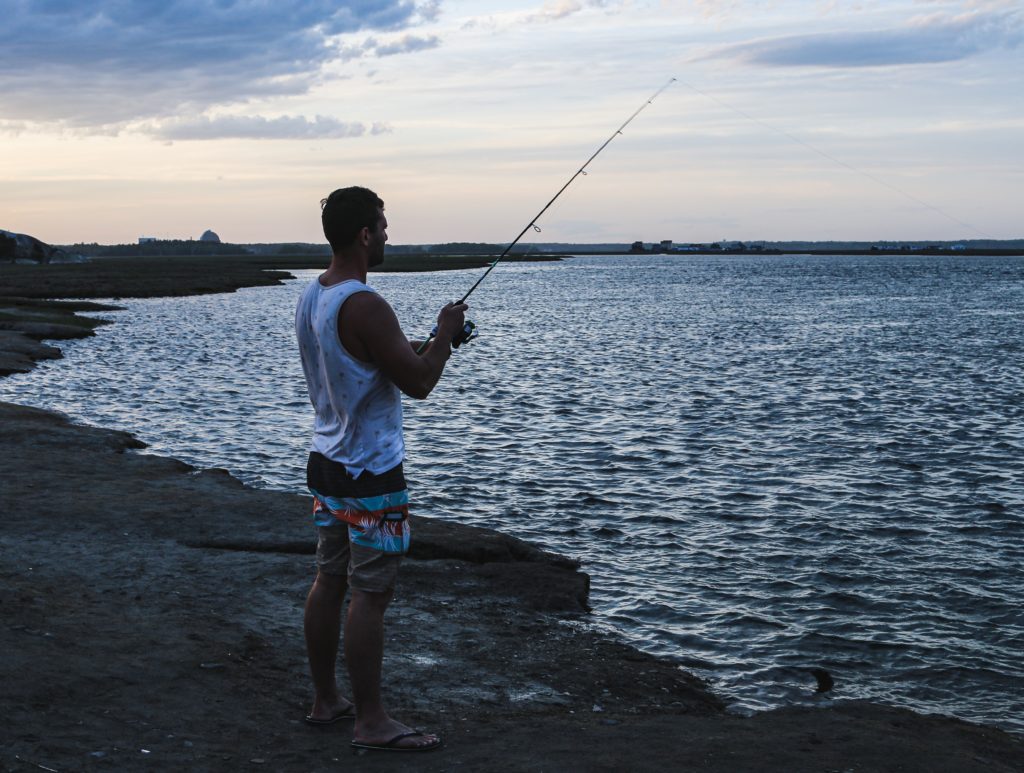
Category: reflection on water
[767,464]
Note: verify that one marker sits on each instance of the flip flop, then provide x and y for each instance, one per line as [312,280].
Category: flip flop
[392,745]
[349,712]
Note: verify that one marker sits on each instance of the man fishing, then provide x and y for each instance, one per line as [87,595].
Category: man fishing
[356,361]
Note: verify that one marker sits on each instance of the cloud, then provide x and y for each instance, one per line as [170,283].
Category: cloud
[429,10]
[928,39]
[255,127]
[13,128]
[91,63]
[724,9]
[406,44]
[557,9]
[403,45]
[550,11]
[554,10]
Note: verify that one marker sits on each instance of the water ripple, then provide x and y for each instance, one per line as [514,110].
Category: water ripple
[766,463]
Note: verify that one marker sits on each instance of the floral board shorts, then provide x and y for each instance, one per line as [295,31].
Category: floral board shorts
[374,507]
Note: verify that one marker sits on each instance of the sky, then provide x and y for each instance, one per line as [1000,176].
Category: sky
[805,119]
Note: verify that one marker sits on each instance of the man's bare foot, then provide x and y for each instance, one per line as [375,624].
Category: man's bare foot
[393,736]
[327,713]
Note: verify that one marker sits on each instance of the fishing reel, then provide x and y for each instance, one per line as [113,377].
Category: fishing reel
[464,336]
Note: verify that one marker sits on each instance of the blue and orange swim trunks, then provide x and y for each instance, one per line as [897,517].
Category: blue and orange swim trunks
[374,507]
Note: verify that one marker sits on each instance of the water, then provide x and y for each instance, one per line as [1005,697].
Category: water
[766,463]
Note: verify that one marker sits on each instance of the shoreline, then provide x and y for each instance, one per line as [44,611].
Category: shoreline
[163,605]
[975,252]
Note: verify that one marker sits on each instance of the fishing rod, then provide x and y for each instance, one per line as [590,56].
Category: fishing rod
[468,332]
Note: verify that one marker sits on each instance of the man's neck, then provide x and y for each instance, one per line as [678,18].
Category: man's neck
[344,266]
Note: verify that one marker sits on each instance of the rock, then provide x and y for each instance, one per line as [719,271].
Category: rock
[823,678]
[22,248]
[18,352]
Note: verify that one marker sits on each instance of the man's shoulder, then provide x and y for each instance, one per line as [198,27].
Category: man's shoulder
[364,320]
[366,308]
[347,293]
[366,298]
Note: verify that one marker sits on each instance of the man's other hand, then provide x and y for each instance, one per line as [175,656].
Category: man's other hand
[450,321]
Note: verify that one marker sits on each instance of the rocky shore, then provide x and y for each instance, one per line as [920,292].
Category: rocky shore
[152,621]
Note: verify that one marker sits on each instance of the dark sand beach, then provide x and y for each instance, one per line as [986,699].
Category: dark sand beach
[152,618]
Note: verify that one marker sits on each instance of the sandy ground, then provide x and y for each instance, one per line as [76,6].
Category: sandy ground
[151,620]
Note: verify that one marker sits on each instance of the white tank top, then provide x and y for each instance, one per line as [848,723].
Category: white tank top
[358,409]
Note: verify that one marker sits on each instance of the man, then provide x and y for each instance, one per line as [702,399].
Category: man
[356,361]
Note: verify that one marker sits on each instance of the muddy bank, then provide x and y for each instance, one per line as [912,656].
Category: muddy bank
[151,277]
[151,606]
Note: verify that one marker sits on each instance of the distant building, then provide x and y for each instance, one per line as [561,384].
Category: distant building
[637,247]
[209,236]
[147,239]
[666,245]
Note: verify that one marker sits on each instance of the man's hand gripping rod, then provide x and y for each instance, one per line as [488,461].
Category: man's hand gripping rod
[468,331]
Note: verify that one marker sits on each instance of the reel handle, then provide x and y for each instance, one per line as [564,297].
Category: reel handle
[467,334]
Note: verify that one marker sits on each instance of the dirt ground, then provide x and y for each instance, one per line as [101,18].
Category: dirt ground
[150,619]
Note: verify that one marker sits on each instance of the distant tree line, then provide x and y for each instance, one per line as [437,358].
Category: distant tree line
[169,247]
[157,248]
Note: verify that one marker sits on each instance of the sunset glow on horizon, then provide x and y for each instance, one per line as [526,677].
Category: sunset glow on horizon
[803,120]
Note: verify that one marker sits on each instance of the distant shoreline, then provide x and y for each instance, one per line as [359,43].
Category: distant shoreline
[34,305]
[31,308]
[1009,253]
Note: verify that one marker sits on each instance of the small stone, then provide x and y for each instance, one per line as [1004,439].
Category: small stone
[145,751]
[187,744]
[598,707]
[257,760]
[98,755]
[211,666]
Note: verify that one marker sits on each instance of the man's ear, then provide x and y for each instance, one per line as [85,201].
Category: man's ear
[364,236]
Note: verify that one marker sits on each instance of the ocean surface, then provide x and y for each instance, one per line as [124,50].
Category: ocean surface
[766,464]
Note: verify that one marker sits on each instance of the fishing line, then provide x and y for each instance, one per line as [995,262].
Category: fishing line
[835,160]
[468,332]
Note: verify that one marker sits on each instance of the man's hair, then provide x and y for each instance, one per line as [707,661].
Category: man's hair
[348,211]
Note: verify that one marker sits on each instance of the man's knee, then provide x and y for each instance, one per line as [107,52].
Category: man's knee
[372,601]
